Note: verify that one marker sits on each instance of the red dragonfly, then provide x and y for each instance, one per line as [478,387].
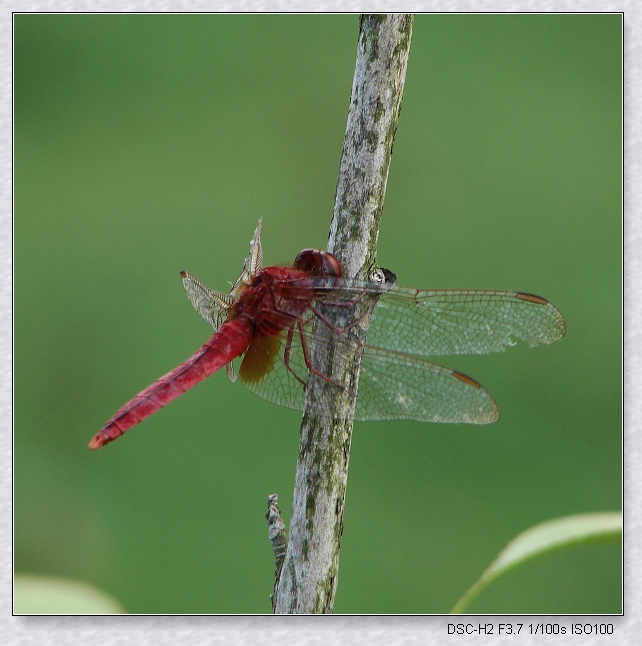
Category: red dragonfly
[270,314]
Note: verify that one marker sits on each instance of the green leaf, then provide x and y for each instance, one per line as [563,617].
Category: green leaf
[39,595]
[544,538]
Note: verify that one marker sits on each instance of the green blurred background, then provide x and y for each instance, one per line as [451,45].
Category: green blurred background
[148,144]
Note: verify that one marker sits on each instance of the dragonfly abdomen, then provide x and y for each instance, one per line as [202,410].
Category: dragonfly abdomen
[225,345]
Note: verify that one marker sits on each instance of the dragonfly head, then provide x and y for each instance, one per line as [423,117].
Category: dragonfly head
[318,263]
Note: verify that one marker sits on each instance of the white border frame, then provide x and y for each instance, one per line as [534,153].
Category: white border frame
[370,630]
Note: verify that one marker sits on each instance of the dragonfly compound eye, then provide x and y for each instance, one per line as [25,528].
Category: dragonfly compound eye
[318,263]
[330,265]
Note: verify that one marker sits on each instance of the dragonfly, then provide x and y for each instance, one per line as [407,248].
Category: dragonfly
[273,316]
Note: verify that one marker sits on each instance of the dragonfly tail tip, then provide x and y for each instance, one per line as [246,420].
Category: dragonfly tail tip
[97,441]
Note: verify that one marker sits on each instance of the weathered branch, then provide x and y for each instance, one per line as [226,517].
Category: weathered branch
[278,537]
[309,577]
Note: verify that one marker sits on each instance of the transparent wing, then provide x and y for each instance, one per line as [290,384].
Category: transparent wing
[392,385]
[253,263]
[213,305]
[451,322]
[210,304]
[281,383]
[398,386]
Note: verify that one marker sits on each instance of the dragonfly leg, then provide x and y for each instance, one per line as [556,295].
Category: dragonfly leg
[335,328]
[351,303]
[308,361]
[286,355]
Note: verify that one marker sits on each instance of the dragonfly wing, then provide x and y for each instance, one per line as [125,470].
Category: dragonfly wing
[449,322]
[253,263]
[391,385]
[275,380]
[210,304]
[397,386]
[443,323]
